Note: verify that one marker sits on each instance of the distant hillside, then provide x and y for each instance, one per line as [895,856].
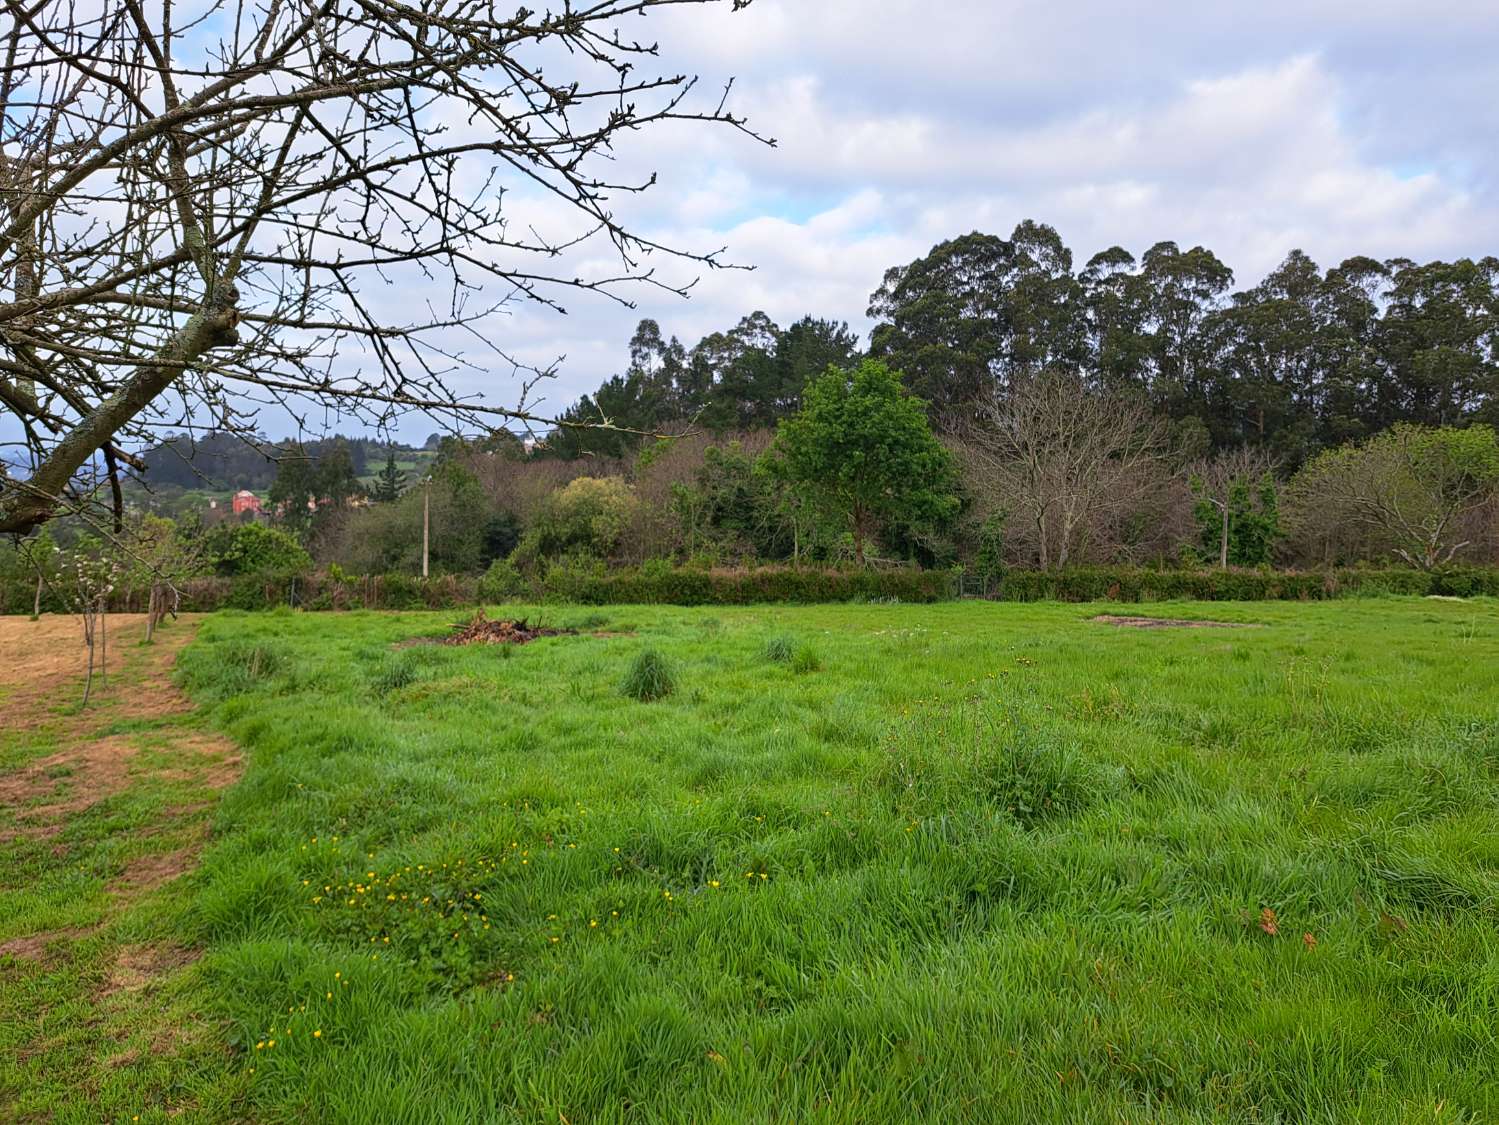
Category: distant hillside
[221,462]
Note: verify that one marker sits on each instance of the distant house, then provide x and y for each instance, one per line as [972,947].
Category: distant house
[246,501]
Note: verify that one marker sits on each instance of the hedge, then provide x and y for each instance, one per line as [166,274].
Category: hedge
[662,585]
[1128,584]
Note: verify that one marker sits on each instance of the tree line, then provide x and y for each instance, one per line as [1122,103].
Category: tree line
[1306,360]
[1007,412]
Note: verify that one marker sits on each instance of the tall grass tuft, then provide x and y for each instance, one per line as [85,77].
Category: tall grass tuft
[779,650]
[651,677]
[806,660]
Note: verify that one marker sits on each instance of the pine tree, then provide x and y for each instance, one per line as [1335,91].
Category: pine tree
[389,481]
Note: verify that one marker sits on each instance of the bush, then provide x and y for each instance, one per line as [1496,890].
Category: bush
[1133,584]
[651,677]
[253,548]
[589,515]
[501,582]
[589,582]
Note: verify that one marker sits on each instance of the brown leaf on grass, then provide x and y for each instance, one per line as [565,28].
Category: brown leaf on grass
[1268,922]
[1390,924]
[1309,940]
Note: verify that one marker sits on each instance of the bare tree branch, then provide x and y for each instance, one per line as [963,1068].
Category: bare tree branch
[326,202]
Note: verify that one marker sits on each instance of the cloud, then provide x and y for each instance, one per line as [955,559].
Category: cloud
[1337,127]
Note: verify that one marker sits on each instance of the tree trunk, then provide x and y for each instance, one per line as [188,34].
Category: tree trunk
[1223,540]
[88,640]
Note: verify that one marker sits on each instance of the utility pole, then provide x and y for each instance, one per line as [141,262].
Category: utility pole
[426,521]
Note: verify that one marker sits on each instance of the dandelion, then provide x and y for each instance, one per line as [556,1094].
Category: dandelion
[318,1034]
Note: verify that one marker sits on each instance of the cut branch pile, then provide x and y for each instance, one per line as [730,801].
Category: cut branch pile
[480,630]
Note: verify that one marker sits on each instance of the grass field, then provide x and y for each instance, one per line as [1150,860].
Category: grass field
[965,862]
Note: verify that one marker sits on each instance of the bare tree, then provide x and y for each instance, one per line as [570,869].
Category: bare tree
[1411,491]
[1216,480]
[305,203]
[1066,466]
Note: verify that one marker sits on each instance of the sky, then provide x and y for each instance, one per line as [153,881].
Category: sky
[1252,127]
[1332,126]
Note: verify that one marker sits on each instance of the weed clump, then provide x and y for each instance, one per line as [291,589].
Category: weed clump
[233,667]
[393,675]
[779,650]
[651,677]
[806,660]
[969,758]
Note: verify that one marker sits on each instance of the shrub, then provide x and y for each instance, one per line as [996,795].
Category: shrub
[253,548]
[651,677]
[501,582]
[589,515]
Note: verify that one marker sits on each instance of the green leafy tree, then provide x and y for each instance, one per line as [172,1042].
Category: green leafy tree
[588,516]
[294,492]
[1440,338]
[309,491]
[1237,506]
[253,548]
[943,320]
[862,448]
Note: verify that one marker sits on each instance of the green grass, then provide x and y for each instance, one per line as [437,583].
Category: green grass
[967,862]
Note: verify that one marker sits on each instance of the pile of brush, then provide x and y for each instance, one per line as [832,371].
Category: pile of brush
[480,630]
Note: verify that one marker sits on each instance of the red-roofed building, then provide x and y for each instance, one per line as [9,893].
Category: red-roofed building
[246,501]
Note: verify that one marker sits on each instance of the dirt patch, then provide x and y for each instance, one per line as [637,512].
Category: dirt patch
[32,832]
[77,778]
[150,871]
[480,630]
[1167,623]
[34,947]
[206,759]
[136,966]
[46,659]
[41,682]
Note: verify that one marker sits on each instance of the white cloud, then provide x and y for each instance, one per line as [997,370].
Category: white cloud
[1337,127]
